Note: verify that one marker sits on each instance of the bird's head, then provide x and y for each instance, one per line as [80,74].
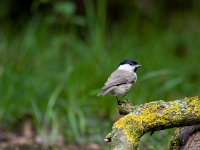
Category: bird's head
[129,65]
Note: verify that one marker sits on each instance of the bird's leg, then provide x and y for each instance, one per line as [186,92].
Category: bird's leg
[126,99]
[118,102]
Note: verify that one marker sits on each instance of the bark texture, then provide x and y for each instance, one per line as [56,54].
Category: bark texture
[186,138]
[150,117]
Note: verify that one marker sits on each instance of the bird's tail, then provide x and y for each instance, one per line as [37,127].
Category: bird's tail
[105,91]
[102,93]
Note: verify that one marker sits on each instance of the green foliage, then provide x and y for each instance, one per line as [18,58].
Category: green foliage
[54,63]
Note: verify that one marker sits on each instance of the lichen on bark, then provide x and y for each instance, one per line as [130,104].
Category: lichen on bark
[152,116]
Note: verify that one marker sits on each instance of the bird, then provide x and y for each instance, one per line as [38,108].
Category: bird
[121,80]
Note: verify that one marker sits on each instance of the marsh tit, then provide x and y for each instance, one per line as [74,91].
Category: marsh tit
[121,80]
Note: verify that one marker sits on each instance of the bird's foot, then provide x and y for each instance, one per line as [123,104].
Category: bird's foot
[126,99]
[119,101]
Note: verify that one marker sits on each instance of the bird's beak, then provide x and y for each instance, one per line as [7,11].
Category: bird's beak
[138,65]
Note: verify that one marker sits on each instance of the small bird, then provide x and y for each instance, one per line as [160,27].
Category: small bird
[121,80]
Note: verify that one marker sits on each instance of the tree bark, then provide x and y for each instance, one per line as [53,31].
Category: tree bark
[150,117]
[186,138]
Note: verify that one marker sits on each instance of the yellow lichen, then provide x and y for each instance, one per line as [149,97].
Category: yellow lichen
[188,110]
[126,124]
[153,114]
[194,102]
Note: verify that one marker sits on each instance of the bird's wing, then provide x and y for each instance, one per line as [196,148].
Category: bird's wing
[119,77]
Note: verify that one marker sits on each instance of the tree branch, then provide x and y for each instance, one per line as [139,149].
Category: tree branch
[153,116]
[180,140]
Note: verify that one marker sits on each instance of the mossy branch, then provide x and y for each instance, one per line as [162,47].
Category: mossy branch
[150,117]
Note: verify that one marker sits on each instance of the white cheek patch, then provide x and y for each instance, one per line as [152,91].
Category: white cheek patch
[126,67]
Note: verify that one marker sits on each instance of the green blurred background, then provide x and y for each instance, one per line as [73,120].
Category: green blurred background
[55,56]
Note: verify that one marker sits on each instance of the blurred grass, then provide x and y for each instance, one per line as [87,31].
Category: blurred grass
[50,72]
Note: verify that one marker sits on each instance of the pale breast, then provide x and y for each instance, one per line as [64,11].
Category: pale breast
[121,90]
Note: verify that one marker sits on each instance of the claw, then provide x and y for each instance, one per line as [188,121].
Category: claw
[126,99]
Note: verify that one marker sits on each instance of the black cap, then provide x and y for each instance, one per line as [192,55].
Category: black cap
[129,61]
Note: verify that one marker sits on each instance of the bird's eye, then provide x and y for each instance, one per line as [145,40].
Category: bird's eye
[131,64]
